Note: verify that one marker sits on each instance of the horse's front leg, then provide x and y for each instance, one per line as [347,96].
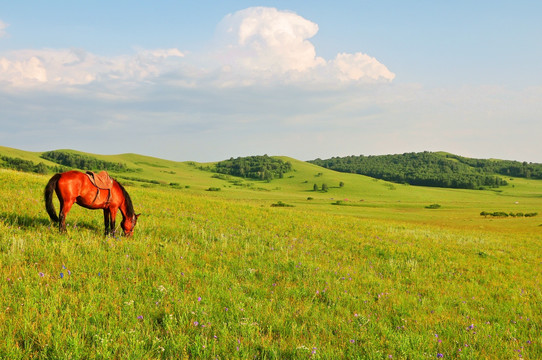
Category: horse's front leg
[112,216]
[107,221]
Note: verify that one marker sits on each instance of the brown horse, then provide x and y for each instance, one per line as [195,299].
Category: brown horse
[75,187]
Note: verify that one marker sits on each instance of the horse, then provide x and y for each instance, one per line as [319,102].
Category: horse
[75,187]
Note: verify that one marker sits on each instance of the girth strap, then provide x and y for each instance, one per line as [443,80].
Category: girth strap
[98,194]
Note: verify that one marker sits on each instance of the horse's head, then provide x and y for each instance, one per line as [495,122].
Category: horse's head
[128,224]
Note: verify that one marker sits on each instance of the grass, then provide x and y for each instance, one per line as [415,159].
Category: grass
[226,275]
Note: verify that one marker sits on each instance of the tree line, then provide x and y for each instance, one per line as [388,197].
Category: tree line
[503,167]
[83,162]
[24,165]
[261,167]
[433,169]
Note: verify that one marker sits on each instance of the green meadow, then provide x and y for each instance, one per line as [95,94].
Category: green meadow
[367,270]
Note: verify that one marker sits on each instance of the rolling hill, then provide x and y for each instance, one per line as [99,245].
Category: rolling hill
[347,193]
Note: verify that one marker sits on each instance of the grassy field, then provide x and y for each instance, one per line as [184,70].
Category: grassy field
[223,274]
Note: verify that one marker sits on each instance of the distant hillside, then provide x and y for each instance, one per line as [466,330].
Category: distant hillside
[426,169]
[433,169]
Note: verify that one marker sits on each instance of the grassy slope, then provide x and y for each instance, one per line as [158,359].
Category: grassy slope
[366,197]
[222,274]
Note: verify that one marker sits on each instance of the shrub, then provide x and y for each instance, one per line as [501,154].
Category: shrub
[281,204]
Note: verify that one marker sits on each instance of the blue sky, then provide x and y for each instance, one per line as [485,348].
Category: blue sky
[208,80]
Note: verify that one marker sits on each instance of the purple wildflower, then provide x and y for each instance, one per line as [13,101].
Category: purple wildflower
[61,275]
[199,298]
[140,317]
[196,323]
[41,274]
[439,355]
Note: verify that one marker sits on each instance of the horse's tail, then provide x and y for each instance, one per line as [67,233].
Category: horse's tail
[49,190]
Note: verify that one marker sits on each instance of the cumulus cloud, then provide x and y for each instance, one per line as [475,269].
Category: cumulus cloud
[27,68]
[254,46]
[360,66]
[268,40]
[266,43]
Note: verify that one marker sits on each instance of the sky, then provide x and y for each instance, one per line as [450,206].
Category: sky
[209,80]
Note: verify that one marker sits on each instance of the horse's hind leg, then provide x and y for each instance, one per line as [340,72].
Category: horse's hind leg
[65,207]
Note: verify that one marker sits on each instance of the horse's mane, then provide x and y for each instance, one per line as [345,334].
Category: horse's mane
[130,212]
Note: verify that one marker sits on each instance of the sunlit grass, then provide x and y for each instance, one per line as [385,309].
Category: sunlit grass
[209,277]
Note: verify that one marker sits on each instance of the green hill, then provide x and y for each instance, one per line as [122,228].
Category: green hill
[347,193]
[434,169]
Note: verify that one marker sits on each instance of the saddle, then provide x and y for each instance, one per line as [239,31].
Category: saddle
[102,181]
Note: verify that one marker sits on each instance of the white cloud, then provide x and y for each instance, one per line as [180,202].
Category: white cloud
[268,40]
[266,43]
[60,67]
[3,27]
[360,66]
[255,46]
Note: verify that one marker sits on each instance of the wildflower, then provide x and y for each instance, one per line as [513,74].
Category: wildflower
[439,355]
[41,274]
[140,317]
[61,275]
[196,323]
[199,298]
[352,341]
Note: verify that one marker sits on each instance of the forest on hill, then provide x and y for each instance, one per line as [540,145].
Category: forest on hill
[83,162]
[434,169]
[254,167]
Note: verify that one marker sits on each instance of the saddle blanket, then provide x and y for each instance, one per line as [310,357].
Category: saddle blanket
[102,180]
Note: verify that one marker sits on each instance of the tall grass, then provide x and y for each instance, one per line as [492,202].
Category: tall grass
[212,278]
